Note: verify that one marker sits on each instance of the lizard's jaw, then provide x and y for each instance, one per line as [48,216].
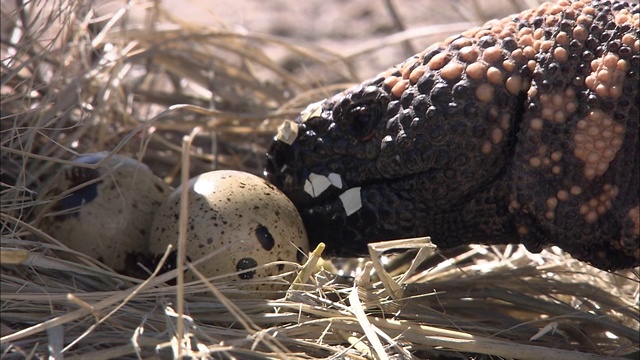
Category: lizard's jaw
[345,216]
[322,199]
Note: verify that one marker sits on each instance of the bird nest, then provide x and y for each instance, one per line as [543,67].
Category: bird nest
[74,82]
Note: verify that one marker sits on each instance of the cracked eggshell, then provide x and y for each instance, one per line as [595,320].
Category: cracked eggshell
[108,214]
[241,217]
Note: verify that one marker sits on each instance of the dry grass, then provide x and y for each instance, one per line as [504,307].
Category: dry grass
[73,83]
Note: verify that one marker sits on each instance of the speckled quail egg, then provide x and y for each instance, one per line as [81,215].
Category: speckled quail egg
[241,217]
[105,212]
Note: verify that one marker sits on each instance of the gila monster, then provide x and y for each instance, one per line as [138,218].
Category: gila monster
[524,130]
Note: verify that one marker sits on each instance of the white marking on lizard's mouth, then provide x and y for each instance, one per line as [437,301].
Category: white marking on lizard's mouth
[287,132]
[335,180]
[316,184]
[351,200]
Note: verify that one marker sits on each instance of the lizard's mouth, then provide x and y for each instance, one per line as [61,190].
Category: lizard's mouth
[345,216]
[323,201]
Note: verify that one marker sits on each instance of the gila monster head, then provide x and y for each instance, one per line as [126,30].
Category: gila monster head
[370,164]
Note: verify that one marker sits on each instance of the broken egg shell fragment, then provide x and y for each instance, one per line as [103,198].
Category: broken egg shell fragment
[108,213]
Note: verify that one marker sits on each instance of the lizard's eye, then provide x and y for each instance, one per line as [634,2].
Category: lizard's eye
[362,120]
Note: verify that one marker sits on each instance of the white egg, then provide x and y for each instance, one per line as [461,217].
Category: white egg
[109,215]
[246,220]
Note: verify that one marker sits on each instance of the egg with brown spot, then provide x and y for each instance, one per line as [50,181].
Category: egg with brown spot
[106,211]
[243,220]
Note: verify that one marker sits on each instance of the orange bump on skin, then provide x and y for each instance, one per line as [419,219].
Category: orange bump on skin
[438,61]
[476,71]
[526,40]
[484,93]
[610,60]
[518,56]
[546,45]
[575,190]
[535,162]
[529,52]
[536,124]
[538,34]
[417,73]
[547,113]
[505,33]
[560,54]
[391,81]
[628,39]
[583,20]
[524,31]
[522,230]
[552,21]
[509,65]
[580,33]
[589,11]
[513,84]
[494,75]
[555,9]
[486,148]
[562,195]
[452,71]
[597,140]
[497,135]
[469,54]
[622,18]
[562,38]
[462,42]
[492,55]
[399,88]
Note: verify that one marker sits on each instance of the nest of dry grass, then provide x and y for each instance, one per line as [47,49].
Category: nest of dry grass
[73,83]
